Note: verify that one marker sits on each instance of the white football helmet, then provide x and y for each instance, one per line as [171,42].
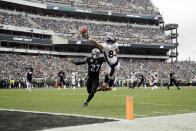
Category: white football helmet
[110,39]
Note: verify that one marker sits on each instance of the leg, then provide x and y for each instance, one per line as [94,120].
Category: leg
[113,74]
[105,83]
[169,84]
[73,84]
[60,83]
[175,83]
[88,85]
[91,88]
[106,79]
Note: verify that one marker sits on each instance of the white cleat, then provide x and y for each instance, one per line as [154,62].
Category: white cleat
[114,89]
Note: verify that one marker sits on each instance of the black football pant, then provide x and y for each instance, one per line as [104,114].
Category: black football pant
[92,85]
[171,82]
[62,82]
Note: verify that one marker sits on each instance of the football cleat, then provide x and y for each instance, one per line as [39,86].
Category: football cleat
[105,87]
[85,104]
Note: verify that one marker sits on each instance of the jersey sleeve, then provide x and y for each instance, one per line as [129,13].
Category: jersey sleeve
[116,45]
[105,46]
[103,59]
[82,61]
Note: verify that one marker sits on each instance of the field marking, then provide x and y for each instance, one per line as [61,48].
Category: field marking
[4,96]
[65,114]
[165,104]
[178,122]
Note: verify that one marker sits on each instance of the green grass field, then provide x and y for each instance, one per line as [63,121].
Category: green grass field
[147,102]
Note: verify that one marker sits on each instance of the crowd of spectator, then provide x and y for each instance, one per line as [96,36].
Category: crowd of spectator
[15,19]
[136,7]
[124,32]
[99,28]
[46,68]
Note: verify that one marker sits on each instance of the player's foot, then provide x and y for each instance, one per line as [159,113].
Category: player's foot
[85,104]
[168,88]
[114,89]
[100,89]
[28,89]
[105,87]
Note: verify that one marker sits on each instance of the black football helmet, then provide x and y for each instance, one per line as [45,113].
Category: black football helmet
[95,53]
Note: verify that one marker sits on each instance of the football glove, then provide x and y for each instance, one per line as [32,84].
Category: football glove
[85,36]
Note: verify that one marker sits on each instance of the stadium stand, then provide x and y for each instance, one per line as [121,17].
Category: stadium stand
[138,34]
[46,68]
[139,7]
[44,37]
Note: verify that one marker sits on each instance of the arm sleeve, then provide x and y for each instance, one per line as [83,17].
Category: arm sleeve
[104,46]
[81,62]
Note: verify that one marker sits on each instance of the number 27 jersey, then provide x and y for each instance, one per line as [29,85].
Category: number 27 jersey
[94,66]
[109,51]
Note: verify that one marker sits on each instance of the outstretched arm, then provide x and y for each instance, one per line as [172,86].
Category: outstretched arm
[93,41]
[117,50]
[77,62]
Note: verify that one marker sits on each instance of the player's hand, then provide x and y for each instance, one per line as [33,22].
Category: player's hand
[86,36]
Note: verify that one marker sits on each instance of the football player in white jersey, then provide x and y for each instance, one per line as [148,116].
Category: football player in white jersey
[73,76]
[110,51]
[156,80]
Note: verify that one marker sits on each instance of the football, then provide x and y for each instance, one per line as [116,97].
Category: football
[83,29]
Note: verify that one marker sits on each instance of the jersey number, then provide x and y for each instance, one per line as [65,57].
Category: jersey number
[111,54]
[95,68]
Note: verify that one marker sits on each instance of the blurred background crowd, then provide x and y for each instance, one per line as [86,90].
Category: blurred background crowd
[125,32]
[46,68]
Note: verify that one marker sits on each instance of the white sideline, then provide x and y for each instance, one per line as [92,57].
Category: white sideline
[179,122]
[51,113]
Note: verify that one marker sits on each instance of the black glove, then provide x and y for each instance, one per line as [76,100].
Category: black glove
[85,36]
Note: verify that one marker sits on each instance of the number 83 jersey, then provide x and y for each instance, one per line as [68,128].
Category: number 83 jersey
[109,51]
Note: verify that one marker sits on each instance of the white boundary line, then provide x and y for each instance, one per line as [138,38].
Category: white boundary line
[51,113]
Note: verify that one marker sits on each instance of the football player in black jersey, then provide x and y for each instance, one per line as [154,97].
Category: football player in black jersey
[94,64]
[172,80]
[29,73]
[61,76]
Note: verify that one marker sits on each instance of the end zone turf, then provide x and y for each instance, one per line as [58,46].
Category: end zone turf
[30,121]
